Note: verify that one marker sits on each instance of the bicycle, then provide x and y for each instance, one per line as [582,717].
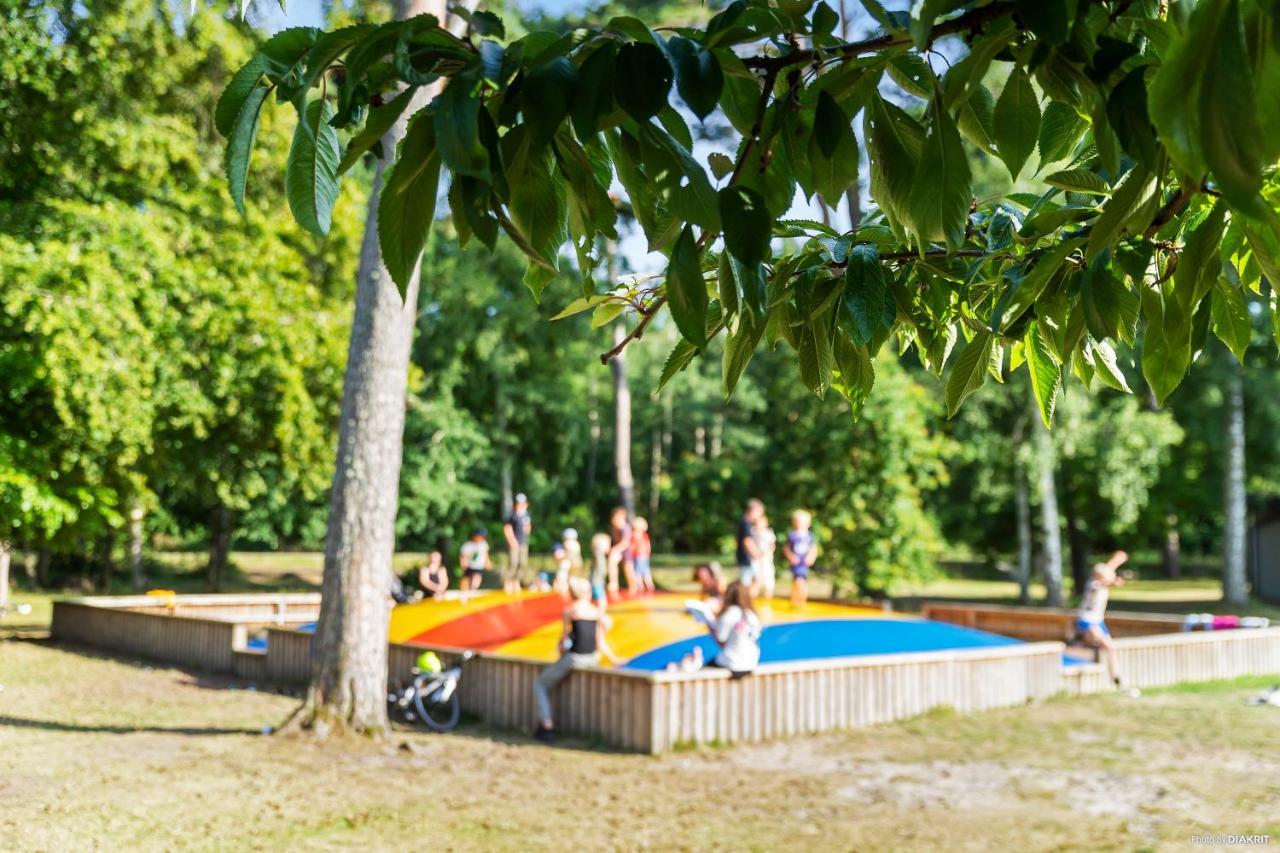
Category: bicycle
[432,697]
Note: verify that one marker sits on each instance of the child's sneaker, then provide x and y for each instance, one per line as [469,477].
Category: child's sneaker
[544,734]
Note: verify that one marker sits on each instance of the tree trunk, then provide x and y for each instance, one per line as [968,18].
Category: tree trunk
[1022,506]
[622,424]
[700,441]
[103,558]
[136,573]
[1234,591]
[1079,542]
[5,558]
[348,687]
[1052,546]
[593,434]
[1171,549]
[221,525]
[717,433]
[504,465]
[43,559]
[655,470]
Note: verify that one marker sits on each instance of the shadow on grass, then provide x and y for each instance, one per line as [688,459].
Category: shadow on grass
[57,726]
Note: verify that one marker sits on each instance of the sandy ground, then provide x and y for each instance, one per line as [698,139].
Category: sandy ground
[102,754]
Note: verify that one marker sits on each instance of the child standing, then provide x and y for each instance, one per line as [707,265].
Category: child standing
[762,574]
[473,556]
[583,643]
[1091,626]
[641,551]
[801,552]
[568,556]
[601,544]
[620,549]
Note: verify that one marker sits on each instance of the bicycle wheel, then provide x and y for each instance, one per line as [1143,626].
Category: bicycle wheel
[436,715]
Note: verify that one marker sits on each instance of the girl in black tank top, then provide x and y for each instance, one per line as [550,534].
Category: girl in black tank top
[582,636]
[582,644]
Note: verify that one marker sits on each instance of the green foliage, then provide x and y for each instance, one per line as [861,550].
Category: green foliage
[1147,111]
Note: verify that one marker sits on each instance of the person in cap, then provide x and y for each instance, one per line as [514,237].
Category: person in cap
[516,529]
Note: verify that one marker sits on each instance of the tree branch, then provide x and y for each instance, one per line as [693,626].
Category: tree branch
[638,332]
[971,20]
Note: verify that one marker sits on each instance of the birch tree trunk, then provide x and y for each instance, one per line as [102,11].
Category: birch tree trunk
[1051,532]
[136,575]
[349,650]
[622,424]
[1234,591]
[5,558]
[1022,506]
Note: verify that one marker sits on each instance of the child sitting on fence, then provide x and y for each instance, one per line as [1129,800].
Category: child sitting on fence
[434,577]
[1091,626]
[736,628]
[585,626]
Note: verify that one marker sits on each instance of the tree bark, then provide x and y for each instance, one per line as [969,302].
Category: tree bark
[1079,542]
[103,558]
[717,433]
[593,434]
[1050,530]
[1022,507]
[853,193]
[700,441]
[5,559]
[655,470]
[221,526]
[1234,590]
[1171,549]
[43,559]
[136,571]
[622,424]
[349,650]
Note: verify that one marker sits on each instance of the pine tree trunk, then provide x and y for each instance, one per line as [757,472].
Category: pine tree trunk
[622,424]
[137,576]
[105,567]
[700,441]
[655,471]
[221,526]
[43,559]
[717,433]
[349,650]
[1080,545]
[1050,529]
[593,434]
[1234,591]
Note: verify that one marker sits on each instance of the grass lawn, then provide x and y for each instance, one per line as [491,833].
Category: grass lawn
[97,753]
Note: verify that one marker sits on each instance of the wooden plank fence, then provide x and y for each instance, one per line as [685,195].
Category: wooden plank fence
[658,711]
[1046,623]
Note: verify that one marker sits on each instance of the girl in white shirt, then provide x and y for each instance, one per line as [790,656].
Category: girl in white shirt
[737,631]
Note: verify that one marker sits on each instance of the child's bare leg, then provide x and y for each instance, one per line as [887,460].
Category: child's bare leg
[799,592]
[629,572]
[613,574]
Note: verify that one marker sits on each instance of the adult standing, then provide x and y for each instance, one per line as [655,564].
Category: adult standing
[748,548]
[517,529]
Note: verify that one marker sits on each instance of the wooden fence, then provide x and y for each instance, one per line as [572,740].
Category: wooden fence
[1046,623]
[657,711]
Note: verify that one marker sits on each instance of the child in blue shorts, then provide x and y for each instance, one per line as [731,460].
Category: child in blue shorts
[1091,626]
[801,552]
[641,551]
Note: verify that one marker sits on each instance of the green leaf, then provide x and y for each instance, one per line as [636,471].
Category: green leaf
[380,120]
[1078,181]
[833,151]
[676,362]
[912,73]
[893,147]
[407,206]
[283,57]
[1174,96]
[1129,194]
[1061,127]
[539,211]
[1110,308]
[593,99]
[458,128]
[940,189]
[243,85]
[1017,121]
[1127,114]
[747,224]
[549,90]
[721,164]
[855,373]
[867,310]
[699,79]
[687,290]
[969,372]
[1048,19]
[241,135]
[976,119]
[641,79]
[824,20]
[311,176]
[581,304]
[1231,318]
[1107,367]
[1166,344]
[1199,264]
[741,94]
[1231,136]
[814,345]
[1046,374]
[738,349]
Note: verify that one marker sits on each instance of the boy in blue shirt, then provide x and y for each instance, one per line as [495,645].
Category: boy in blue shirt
[801,551]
